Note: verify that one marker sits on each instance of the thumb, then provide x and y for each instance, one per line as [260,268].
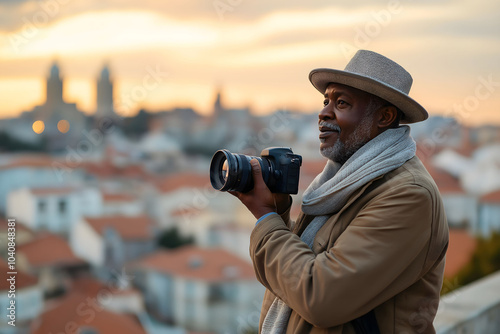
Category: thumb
[255,166]
[256,171]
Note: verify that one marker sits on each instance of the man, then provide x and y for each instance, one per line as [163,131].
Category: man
[366,254]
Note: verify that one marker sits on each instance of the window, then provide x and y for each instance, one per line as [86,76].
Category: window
[42,206]
[216,293]
[62,206]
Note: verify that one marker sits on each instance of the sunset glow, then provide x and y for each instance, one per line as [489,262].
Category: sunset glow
[259,54]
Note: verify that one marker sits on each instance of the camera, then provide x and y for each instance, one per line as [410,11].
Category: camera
[280,170]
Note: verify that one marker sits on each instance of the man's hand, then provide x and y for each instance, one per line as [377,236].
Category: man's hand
[260,200]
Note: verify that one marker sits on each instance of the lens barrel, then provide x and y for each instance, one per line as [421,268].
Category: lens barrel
[230,171]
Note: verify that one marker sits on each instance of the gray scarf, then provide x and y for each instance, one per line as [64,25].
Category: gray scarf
[331,189]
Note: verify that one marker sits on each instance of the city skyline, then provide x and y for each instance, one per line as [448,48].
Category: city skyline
[259,53]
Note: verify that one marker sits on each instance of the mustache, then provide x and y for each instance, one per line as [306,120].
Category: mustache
[334,127]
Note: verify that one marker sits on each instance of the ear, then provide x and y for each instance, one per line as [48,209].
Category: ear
[386,116]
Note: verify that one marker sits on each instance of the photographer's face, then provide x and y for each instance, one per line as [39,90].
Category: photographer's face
[346,122]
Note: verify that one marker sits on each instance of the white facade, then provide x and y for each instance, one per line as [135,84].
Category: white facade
[127,207]
[197,305]
[87,244]
[53,209]
[13,178]
[199,206]
[461,209]
[232,238]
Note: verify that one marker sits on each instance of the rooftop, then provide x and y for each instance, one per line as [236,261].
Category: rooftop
[446,183]
[183,180]
[106,169]
[65,311]
[49,250]
[113,197]
[493,198]
[191,262]
[29,161]
[92,287]
[51,191]
[129,227]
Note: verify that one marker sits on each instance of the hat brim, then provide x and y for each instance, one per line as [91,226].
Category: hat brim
[412,111]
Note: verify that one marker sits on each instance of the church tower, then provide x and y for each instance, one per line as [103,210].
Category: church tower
[105,94]
[54,87]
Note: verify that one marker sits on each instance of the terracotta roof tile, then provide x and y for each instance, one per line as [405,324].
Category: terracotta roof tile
[92,287]
[23,279]
[129,227]
[460,250]
[65,311]
[49,250]
[186,212]
[111,197]
[190,262]
[493,197]
[29,161]
[183,180]
[51,191]
[446,183]
[108,170]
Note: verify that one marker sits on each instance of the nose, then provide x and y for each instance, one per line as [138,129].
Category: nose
[327,113]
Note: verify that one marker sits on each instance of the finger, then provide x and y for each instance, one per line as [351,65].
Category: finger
[257,172]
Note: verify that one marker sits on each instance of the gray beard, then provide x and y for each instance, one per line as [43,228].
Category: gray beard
[341,151]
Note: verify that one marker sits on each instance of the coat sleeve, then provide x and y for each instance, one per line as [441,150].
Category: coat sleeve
[380,254]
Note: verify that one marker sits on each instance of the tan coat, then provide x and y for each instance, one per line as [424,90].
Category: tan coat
[383,250]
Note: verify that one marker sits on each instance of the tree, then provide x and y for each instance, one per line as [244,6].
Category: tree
[171,239]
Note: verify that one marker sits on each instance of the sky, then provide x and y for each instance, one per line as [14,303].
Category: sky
[165,54]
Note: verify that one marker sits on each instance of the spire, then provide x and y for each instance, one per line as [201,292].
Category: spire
[218,108]
[54,70]
[54,87]
[105,73]
[105,94]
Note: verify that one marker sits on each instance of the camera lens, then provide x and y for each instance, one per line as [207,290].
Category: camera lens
[230,171]
[225,170]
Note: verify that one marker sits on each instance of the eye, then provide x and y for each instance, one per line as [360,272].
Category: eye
[342,103]
[325,102]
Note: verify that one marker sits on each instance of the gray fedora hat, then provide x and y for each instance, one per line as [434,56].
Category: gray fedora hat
[378,75]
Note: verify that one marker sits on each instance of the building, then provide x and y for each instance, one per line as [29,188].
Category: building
[489,214]
[50,258]
[108,242]
[83,313]
[179,192]
[59,122]
[53,209]
[209,290]
[33,171]
[116,295]
[104,93]
[160,152]
[460,206]
[28,300]
[121,204]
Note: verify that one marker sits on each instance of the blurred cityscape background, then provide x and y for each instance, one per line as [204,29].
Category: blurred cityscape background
[118,229]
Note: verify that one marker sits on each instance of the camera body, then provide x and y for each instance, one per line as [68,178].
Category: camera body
[280,170]
[285,178]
